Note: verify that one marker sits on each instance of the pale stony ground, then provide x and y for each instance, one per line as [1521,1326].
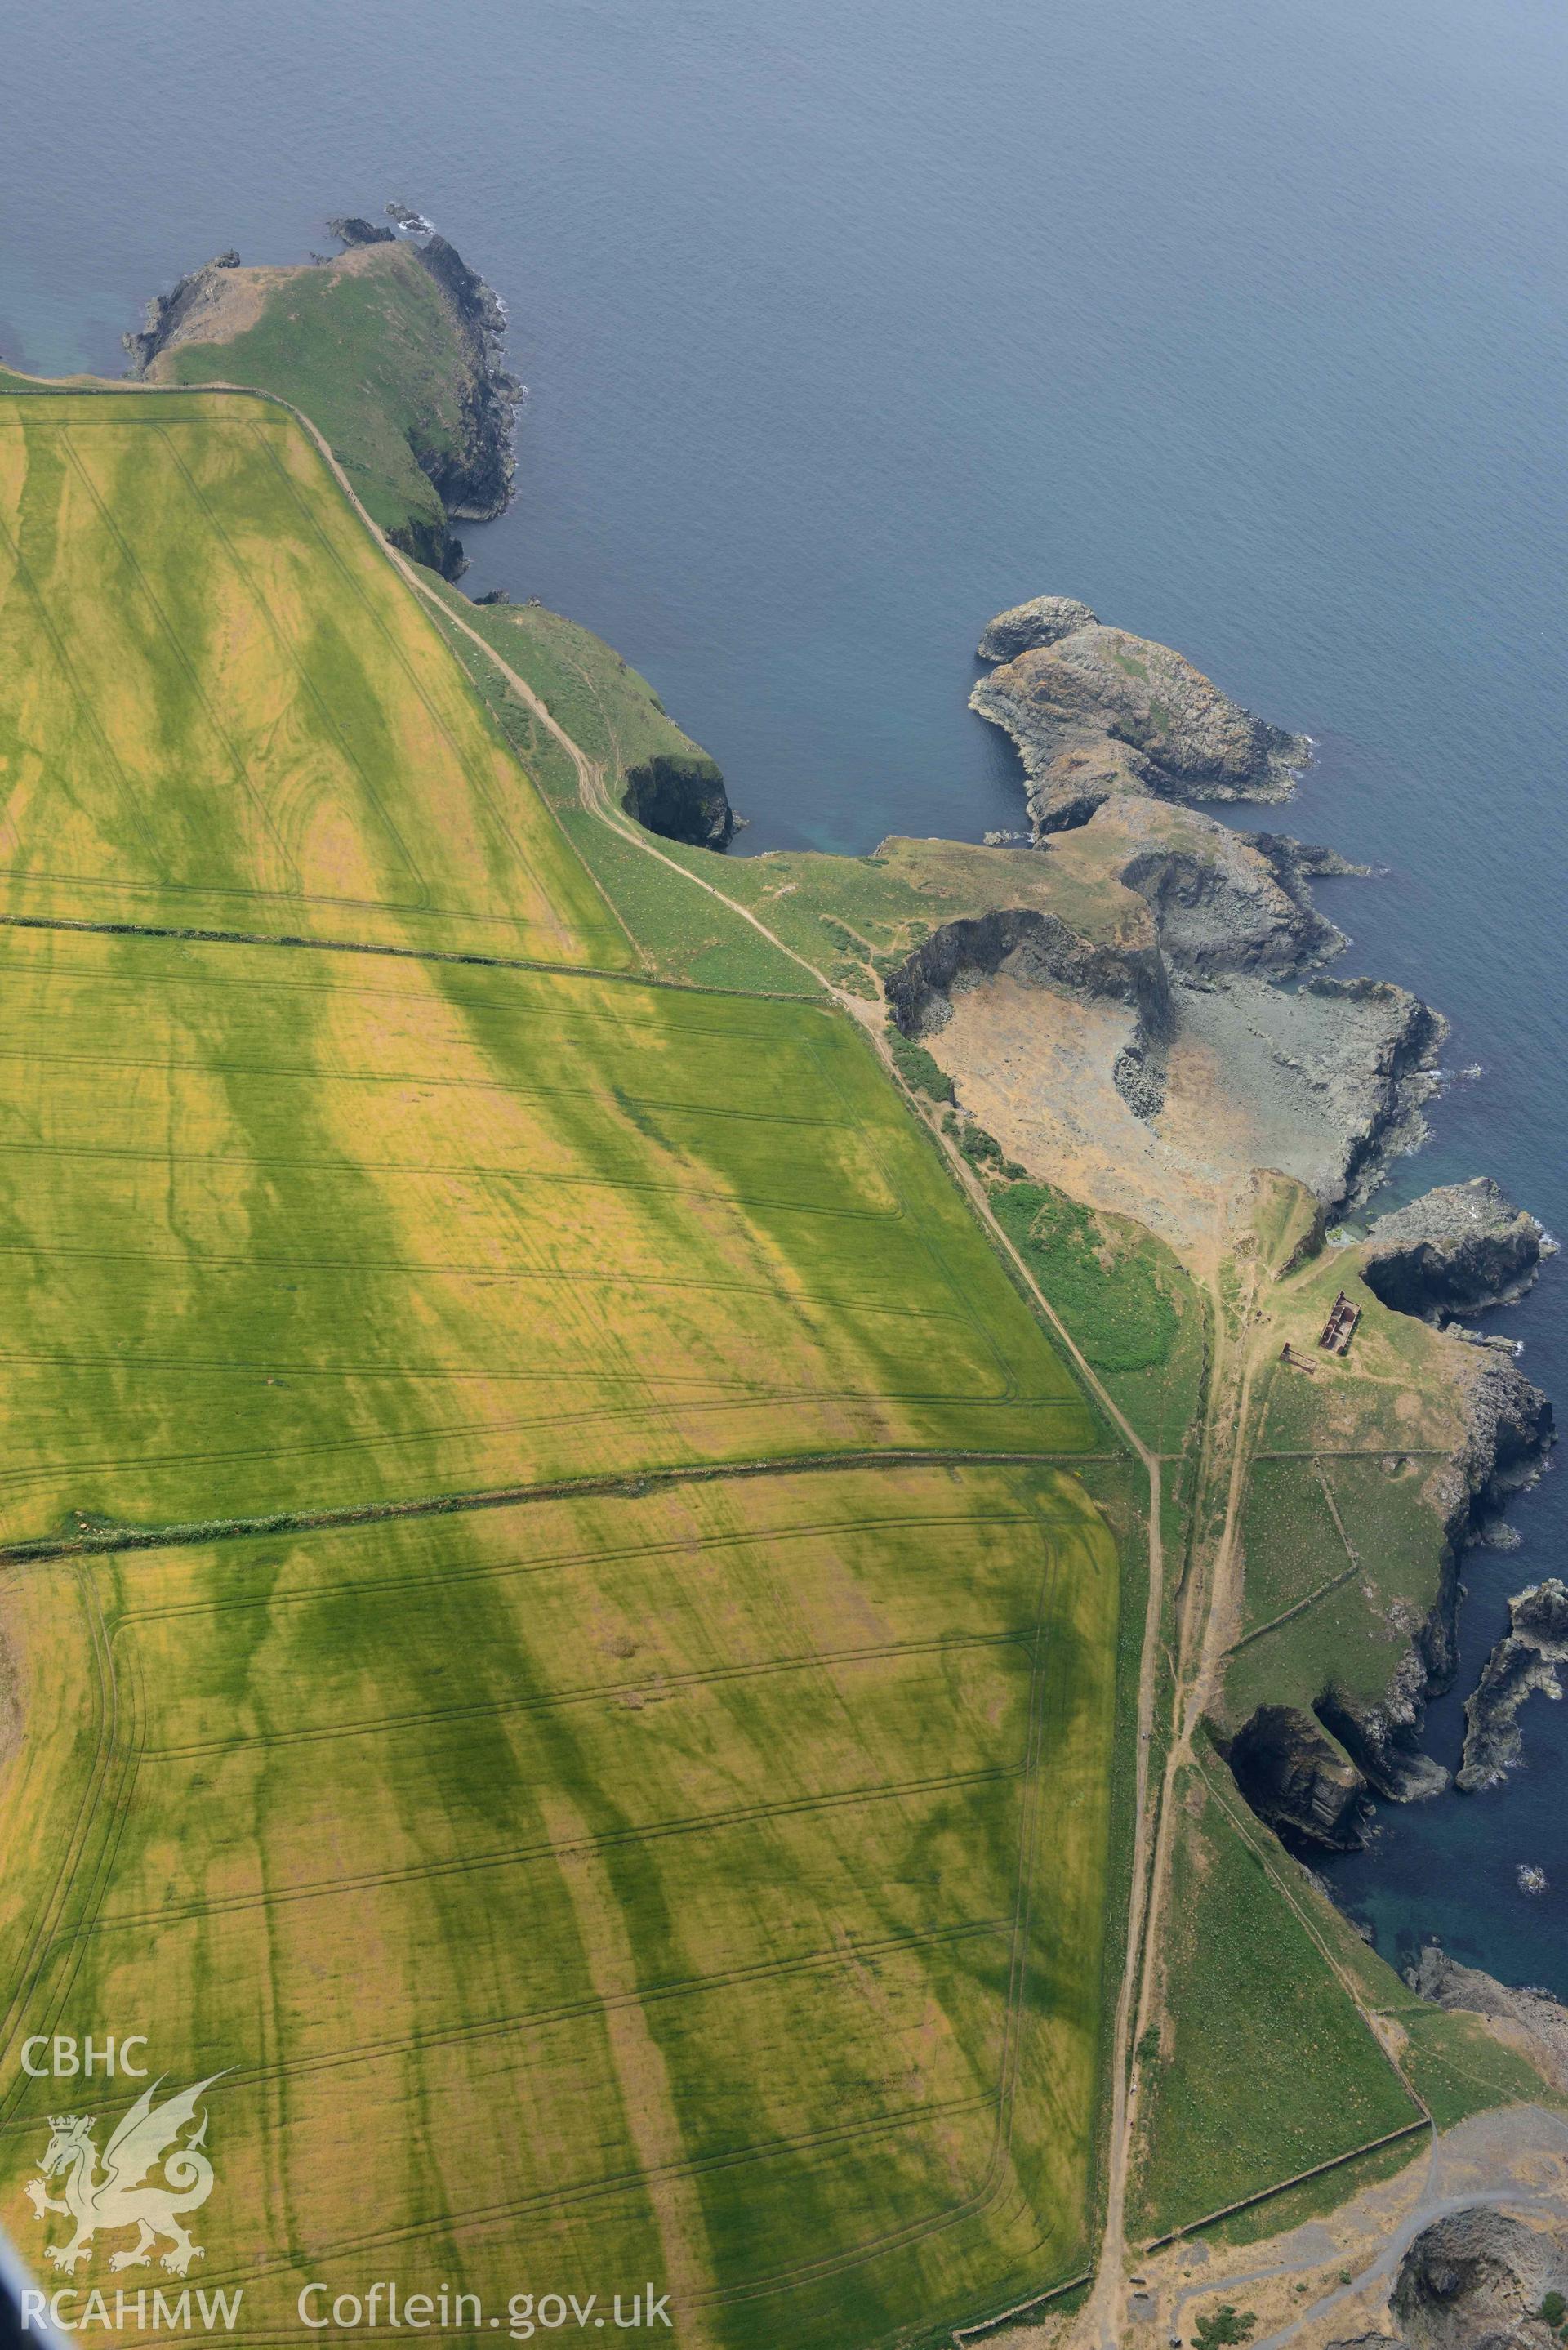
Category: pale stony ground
[1516,2160]
[1035,1066]
[1257,1076]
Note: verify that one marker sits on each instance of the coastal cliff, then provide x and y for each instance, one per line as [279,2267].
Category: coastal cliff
[474,478]
[1533,2019]
[1311,1775]
[1200,1049]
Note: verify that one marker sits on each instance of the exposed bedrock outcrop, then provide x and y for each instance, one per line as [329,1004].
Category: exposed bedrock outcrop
[1093,710]
[1332,1076]
[680,798]
[1383,1737]
[1027,628]
[1455,1250]
[1476,2278]
[168,313]
[1297,1779]
[1227,900]
[1524,1661]
[350,229]
[1395,1084]
[1533,2016]
[1509,1431]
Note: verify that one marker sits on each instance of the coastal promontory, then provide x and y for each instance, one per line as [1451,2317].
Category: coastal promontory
[1093,710]
[1458,1249]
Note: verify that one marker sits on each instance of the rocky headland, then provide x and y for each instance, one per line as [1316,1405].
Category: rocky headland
[1457,1249]
[1094,712]
[1525,1661]
[465,452]
[1216,1043]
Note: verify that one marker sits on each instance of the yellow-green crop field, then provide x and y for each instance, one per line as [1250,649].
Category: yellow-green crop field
[550,1637]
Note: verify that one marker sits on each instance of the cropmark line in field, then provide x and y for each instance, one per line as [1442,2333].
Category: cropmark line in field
[100,1539]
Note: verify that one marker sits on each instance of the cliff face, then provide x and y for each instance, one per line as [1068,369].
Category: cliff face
[681,799]
[1296,1779]
[1093,711]
[474,481]
[1039,947]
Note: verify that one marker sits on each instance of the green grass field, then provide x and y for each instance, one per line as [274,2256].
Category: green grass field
[699,1881]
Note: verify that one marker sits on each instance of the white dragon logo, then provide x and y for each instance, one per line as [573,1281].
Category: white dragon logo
[144,2139]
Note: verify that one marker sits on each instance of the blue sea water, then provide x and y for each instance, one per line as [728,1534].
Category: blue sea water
[847,326]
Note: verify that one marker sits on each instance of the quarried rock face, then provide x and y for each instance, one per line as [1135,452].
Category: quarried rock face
[1036,947]
[1478,2277]
[1298,1779]
[1093,711]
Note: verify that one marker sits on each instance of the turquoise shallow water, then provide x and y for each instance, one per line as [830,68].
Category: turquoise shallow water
[845,326]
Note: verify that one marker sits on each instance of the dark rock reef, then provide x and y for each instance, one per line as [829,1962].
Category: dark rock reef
[1455,1250]
[681,799]
[1524,1661]
[1094,712]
